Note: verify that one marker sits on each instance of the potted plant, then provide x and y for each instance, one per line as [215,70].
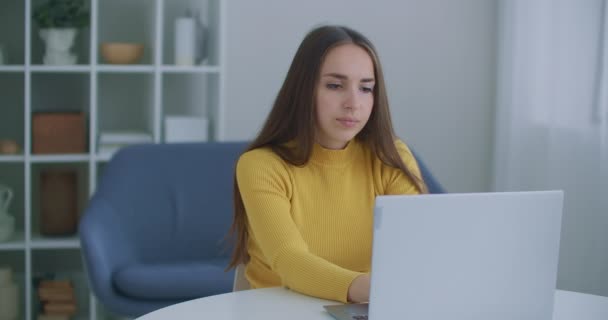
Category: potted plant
[59,21]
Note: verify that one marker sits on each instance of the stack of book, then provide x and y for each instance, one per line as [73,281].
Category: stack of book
[57,300]
[111,141]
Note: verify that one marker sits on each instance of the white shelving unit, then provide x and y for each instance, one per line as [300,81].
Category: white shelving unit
[113,97]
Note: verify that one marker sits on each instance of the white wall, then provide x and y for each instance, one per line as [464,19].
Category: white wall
[439,63]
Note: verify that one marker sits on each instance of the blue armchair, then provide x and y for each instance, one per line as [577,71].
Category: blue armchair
[152,233]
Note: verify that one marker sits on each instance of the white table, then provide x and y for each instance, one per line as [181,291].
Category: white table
[280,303]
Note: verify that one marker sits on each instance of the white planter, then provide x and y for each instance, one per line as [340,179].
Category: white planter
[58,42]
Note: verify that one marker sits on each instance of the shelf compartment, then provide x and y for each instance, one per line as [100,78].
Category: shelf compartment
[15,260]
[57,205]
[81,46]
[127,21]
[125,103]
[190,95]
[59,92]
[63,264]
[12,32]
[12,110]
[208,13]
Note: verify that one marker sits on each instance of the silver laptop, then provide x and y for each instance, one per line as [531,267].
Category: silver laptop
[463,256]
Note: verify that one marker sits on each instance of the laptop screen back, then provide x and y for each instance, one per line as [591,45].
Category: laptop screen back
[466,256]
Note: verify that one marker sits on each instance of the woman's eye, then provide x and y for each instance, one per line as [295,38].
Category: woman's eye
[333,86]
[367,89]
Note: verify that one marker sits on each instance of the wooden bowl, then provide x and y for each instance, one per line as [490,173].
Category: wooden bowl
[121,52]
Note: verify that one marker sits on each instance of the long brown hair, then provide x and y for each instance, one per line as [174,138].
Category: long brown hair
[292,118]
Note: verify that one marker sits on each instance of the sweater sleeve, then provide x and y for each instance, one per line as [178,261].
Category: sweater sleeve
[265,188]
[396,182]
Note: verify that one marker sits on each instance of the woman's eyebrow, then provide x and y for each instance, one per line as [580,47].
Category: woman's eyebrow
[344,77]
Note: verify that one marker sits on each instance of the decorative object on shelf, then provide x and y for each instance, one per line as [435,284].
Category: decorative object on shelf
[59,21]
[121,52]
[59,132]
[2,56]
[111,141]
[186,129]
[7,222]
[57,299]
[8,146]
[9,297]
[58,43]
[58,202]
[190,40]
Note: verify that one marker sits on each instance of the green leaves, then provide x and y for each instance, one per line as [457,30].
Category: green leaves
[61,14]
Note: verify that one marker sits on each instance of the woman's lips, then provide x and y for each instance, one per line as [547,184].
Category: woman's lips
[348,122]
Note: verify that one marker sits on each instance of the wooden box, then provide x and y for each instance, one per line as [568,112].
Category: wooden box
[58,132]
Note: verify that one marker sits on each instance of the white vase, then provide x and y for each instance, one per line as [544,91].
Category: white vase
[58,42]
[190,40]
[185,41]
[9,298]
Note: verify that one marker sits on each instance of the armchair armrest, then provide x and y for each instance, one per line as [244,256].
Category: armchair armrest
[104,249]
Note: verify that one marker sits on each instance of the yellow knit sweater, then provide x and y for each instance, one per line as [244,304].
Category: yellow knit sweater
[310,228]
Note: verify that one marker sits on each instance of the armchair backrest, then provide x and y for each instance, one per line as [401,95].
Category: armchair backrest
[175,200]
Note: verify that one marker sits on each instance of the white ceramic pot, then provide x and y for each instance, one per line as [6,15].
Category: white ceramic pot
[58,42]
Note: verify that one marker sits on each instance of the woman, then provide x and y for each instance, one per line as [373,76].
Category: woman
[304,190]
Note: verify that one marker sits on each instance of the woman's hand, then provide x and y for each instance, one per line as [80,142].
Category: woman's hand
[359,289]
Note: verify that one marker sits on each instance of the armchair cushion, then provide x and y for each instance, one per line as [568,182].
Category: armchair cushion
[173,280]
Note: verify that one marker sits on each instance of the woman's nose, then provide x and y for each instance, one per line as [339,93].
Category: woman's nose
[351,99]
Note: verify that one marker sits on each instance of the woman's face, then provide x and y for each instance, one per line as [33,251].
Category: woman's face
[344,95]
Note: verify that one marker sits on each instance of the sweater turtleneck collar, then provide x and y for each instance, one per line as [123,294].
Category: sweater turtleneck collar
[335,157]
